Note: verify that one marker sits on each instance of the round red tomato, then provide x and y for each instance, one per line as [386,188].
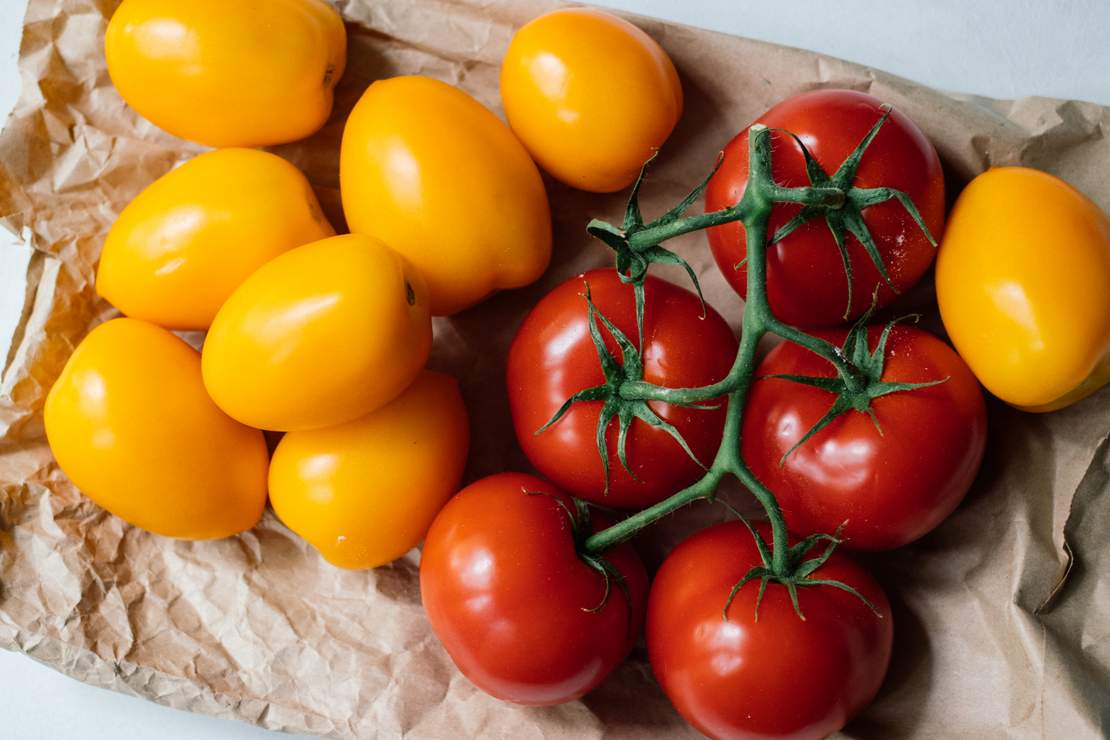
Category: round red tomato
[553,357]
[888,488]
[806,282]
[510,599]
[772,677]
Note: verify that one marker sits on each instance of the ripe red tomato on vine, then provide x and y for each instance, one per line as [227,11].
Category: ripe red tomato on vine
[524,616]
[744,664]
[806,281]
[554,356]
[889,475]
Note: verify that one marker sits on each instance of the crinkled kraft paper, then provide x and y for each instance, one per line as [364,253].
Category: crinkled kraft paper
[259,628]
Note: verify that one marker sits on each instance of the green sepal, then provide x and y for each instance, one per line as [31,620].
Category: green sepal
[610,573]
[644,413]
[843,587]
[597,393]
[614,406]
[678,211]
[760,572]
[806,567]
[848,217]
[633,219]
[613,237]
[663,256]
[839,406]
[580,528]
[799,570]
[864,383]
[632,264]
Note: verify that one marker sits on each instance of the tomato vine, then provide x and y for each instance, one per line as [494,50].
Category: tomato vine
[638,245]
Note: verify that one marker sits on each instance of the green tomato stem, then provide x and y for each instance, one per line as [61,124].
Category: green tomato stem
[860,371]
[754,209]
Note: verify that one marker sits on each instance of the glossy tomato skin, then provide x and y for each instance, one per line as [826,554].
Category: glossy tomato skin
[180,248]
[245,73]
[130,424]
[887,488]
[775,677]
[318,336]
[438,177]
[591,131]
[1023,283]
[365,492]
[806,284]
[553,357]
[510,600]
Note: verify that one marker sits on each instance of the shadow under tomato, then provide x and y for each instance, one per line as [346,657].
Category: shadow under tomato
[897,710]
[629,703]
[318,155]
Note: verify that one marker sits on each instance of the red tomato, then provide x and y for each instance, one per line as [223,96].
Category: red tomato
[553,357]
[891,487]
[510,599]
[775,677]
[806,283]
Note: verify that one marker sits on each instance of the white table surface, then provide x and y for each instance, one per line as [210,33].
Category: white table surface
[1002,48]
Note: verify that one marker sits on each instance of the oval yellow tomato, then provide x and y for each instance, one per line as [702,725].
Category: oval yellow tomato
[179,249]
[241,73]
[364,493]
[1023,282]
[129,422]
[318,336]
[435,175]
[590,95]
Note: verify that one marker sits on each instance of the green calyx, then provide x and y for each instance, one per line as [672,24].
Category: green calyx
[859,383]
[847,218]
[614,406]
[634,253]
[798,571]
[580,529]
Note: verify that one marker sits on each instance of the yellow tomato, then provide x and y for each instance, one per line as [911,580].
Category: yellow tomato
[590,95]
[130,423]
[318,336]
[1023,282]
[228,72]
[188,240]
[431,172]
[364,493]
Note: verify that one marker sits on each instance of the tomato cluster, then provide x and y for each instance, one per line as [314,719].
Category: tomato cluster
[627,393]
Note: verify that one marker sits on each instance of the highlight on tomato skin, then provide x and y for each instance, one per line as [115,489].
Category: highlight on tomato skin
[776,676]
[519,612]
[589,130]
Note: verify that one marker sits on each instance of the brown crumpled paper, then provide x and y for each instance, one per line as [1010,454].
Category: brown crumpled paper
[259,628]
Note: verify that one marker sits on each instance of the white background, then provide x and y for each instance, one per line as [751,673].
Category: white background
[1001,48]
